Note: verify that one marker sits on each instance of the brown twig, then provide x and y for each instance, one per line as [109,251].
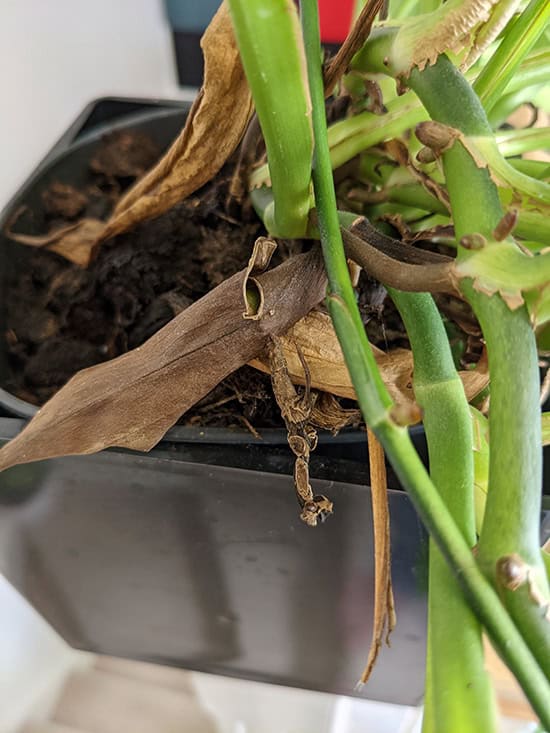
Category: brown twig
[355,40]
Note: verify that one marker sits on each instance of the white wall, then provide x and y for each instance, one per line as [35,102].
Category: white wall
[57,55]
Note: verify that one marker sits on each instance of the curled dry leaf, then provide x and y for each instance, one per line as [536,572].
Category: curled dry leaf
[328,414]
[214,128]
[384,607]
[315,337]
[75,242]
[452,27]
[302,437]
[131,401]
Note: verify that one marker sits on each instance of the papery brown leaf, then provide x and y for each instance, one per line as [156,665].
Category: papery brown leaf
[215,125]
[75,242]
[131,401]
[384,608]
[327,413]
[314,335]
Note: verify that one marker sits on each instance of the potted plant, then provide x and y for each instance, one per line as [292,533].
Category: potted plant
[440,166]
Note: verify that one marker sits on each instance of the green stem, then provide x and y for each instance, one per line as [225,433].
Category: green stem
[347,138]
[375,404]
[460,697]
[279,88]
[518,41]
[513,506]
[515,456]
[539,169]
[323,185]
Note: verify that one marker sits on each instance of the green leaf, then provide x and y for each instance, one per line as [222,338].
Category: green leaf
[501,267]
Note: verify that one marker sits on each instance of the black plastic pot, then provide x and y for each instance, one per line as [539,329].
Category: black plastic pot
[193,555]
[67,162]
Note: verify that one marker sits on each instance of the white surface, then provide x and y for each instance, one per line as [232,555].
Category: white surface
[35,665]
[34,661]
[58,55]
[253,707]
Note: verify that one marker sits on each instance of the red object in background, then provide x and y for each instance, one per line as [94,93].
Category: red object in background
[335,19]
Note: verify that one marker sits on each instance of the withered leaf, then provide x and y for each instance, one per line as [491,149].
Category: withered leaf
[315,337]
[75,242]
[131,401]
[327,413]
[384,608]
[214,128]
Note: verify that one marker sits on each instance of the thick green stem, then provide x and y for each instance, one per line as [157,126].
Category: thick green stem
[279,88]
[515,460]
[515,472]
[459,698]
[375,404]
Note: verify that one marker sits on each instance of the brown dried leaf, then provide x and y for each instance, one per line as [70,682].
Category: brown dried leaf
[328,414]
[215,125]
[131,401]
[314,336]
[214,128]
[384,609]
[451,27]
[75,242]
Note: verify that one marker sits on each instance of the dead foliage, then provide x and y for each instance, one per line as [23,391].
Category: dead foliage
[296,411]
[214,128]
[215,125]
[384,607]
[314,340]
[397,264]
[131,401]
[75,242]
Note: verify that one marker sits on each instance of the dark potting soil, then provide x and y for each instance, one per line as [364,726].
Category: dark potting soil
[62,318]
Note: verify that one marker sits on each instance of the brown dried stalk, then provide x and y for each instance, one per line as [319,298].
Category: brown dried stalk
[396,264]
[384,607]
[354,41]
